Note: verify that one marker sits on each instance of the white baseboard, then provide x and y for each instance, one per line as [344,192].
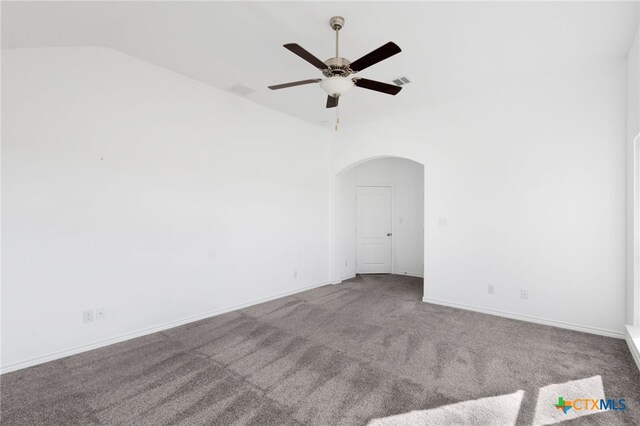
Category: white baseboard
[409,274]
[149,330]
[348,277]
[553,323]
[634,346]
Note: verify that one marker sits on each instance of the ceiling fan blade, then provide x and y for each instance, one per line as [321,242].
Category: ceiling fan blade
[300,51]
[380,54]
[332,101]
[294,83]
[378,86]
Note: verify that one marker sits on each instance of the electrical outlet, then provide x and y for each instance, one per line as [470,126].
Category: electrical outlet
[491,289]
[87,316]
[346,263]
[100,313]
[442,222]
[524,294]
[295,274]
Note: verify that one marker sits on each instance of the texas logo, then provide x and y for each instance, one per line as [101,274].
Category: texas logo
[563,405]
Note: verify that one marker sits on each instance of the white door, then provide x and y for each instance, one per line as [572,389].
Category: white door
[374,230]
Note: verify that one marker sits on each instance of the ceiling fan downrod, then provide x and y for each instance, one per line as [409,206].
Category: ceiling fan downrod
[337,22]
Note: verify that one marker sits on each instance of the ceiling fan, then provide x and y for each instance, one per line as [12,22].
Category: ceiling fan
[339,71]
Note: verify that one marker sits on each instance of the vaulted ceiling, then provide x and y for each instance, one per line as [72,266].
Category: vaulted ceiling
[450,50]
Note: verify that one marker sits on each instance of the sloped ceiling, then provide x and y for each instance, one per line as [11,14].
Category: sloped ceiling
[450,50]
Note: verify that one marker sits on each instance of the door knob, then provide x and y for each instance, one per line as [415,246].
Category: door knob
[388,234]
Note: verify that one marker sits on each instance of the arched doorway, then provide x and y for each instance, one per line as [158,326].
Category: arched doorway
[400,179]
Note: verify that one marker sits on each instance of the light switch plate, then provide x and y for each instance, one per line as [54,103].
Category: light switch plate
[100,313]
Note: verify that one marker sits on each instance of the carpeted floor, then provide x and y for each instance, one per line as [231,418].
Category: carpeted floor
[365,351]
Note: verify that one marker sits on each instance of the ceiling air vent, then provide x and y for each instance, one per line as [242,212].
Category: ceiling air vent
[401,81]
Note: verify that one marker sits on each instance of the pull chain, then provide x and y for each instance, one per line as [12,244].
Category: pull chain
[337,116]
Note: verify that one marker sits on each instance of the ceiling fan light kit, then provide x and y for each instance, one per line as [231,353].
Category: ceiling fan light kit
[336,86]
[338,72]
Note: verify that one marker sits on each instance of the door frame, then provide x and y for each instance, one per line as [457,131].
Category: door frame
[392,246]
[634,316]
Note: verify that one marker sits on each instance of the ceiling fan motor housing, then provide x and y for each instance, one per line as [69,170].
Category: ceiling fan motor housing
[337,67]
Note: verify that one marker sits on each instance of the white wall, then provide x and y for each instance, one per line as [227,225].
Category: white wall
[633,206]
[130,187]
[347,223]
[159,198]
[407,180]
[531,180]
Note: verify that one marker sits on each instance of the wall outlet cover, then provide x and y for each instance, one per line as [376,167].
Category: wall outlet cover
[87,316]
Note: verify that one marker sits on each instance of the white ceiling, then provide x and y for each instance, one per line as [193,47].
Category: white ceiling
[450,49]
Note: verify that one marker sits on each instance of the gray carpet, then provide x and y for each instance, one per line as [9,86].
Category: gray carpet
[365,351]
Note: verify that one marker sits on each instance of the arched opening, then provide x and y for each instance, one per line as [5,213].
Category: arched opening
[379,218]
